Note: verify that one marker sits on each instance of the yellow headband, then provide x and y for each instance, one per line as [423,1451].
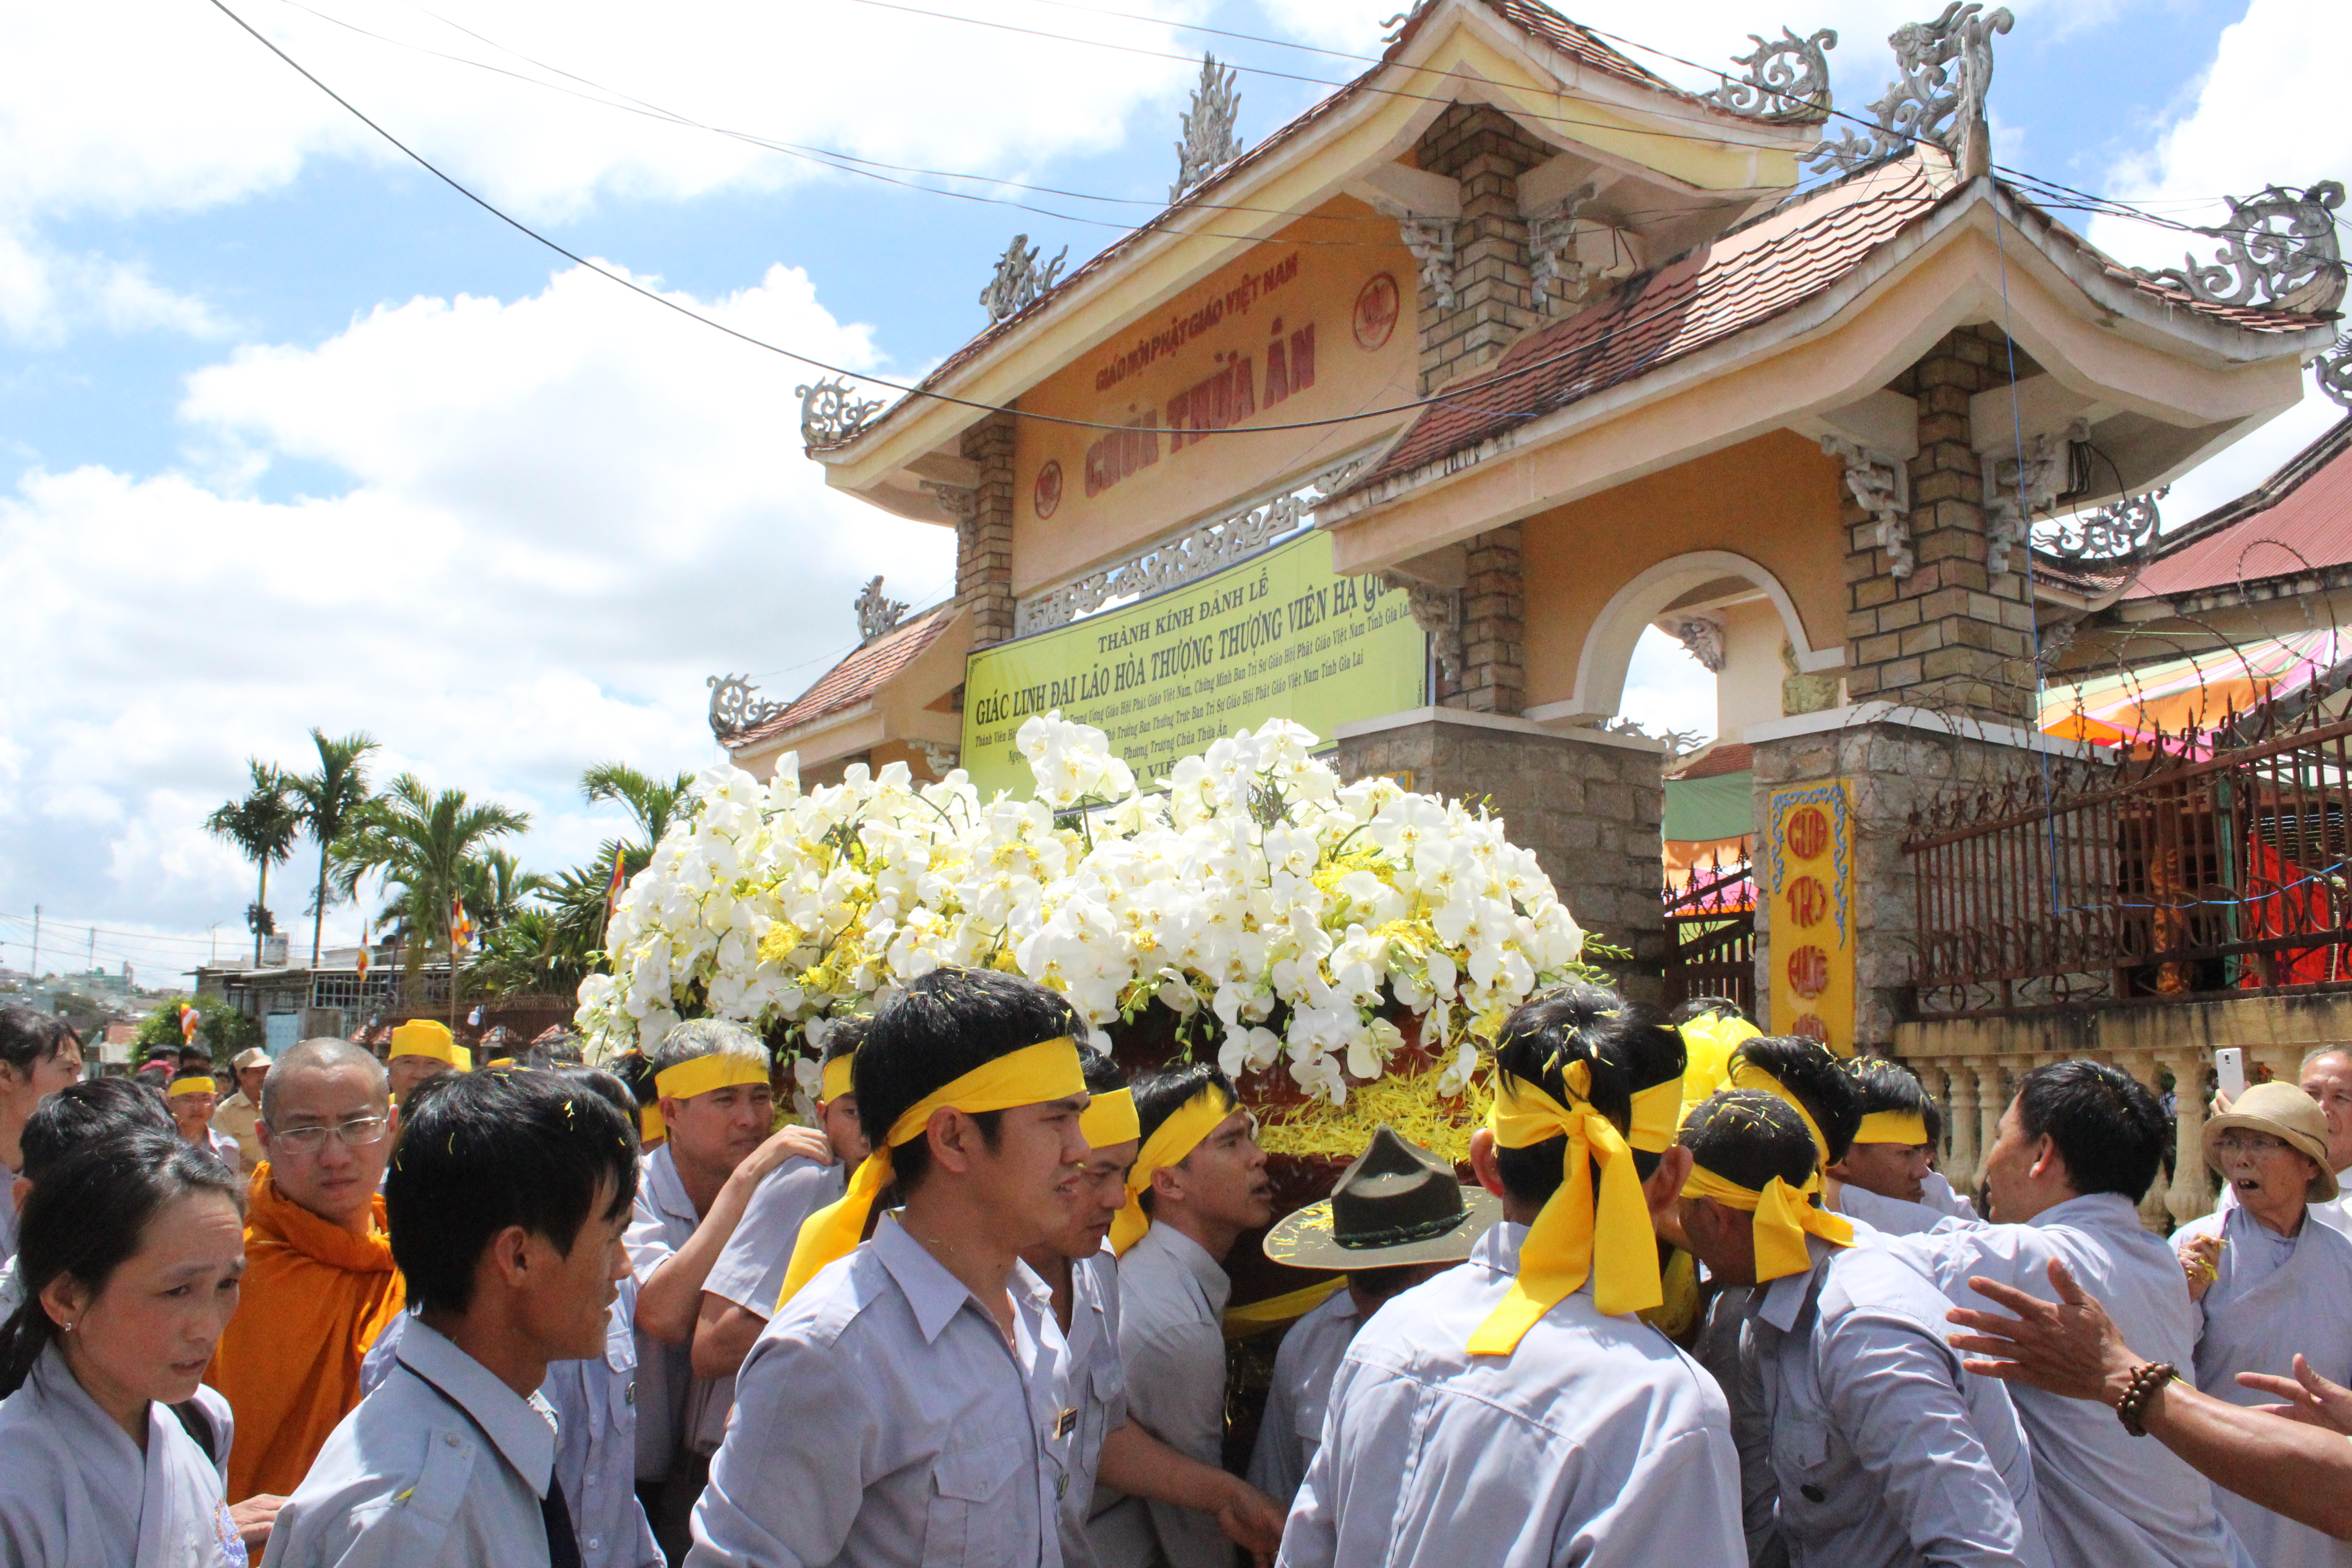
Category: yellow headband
[1783,1218]
[1030,1076]
[836,1079]
[650,1128]
[423,1037]
[1657,1116]
[1170,1144]
[1892,1127]
[196,1083]
[1110,1119]
[1707,1045]
[1746,1074]
[1606,1236]
[498,1062]
[700,1075]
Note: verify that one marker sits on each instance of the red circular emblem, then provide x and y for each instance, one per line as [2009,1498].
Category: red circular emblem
[1809,971]
[1807,833]
[1810,1024]
[1808,900]
[1377,305]
[1048,493]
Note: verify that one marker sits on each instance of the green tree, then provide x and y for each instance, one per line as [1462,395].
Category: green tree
[331,801]
[493,886]
[220,1029]
[421,843]
[652,801]
[262,825]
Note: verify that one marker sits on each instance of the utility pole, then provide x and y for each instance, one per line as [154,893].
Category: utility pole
[93,948]
[214,929]
[36,944]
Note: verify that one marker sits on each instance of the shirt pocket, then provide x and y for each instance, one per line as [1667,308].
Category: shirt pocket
[974,1512]
[1821,1488]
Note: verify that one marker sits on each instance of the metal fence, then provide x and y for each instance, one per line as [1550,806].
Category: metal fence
[2165,875]
[1711,935]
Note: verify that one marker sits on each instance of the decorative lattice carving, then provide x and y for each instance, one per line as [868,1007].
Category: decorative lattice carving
[2277,249]
[1208,142]
[1019,280]
[1554,275]
[1946,67]
[2112,533]
[1882,487]
[2015,489]
[830,415]
[2334,372]
[1430,240]
[1211,547]
[960,502]
[877,613]
[732,709]
[1438,611]
[1788,79]
[1701,636]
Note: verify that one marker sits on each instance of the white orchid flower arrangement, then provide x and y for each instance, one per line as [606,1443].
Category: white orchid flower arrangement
[1283,918]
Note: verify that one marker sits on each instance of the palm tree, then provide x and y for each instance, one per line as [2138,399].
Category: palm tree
[421,843]
[493,886]
[652,801]
[331,801]
[262,826]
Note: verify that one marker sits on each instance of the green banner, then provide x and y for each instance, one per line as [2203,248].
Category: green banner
[1277,636]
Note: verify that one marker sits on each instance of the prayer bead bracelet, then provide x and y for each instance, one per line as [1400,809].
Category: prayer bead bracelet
[2146,1379]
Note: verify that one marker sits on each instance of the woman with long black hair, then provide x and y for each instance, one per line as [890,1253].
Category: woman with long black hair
[129,1252]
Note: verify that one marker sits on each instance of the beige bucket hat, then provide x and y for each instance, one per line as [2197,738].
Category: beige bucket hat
[2287,1113]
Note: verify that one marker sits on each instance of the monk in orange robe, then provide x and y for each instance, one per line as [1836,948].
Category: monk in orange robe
[319,1283]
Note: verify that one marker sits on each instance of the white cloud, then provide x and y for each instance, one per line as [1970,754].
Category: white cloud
[42,291]
[1666,688]
[565,512]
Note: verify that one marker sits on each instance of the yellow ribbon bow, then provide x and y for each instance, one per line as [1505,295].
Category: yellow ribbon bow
[1030,1076]
[1605,1237]
[1169,1144]
[1784,1217]
[1707,1045]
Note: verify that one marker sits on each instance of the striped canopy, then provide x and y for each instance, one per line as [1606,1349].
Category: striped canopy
[2190,695]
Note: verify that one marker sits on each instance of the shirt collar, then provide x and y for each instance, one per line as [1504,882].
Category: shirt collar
[1781,1303]
[934,1295]
[666,1189]
[1499,1249]
[511,1422]
[2091,1208]
[1196,1261]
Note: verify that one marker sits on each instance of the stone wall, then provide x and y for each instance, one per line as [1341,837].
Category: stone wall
[1587,805]
[1892,765]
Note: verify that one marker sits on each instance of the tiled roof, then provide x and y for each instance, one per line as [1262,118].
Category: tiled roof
[1701,296]
[1730,757]
[1715,290]
[2299,518]
[856,677]
[1538,21]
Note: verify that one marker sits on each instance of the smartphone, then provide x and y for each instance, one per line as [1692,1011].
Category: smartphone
[2230,1068]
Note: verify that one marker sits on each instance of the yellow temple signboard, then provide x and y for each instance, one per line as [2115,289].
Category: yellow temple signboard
[1809,885]
[1277,635]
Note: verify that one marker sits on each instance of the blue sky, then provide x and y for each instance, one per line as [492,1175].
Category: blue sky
[293,434]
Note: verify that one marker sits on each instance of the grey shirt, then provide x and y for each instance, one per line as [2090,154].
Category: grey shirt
[1098,1392]
[1884,1452]
[74,1489]
[883,1420]
[1595,1443]
[442,1467]
[750,1268]
[669,1392]
[1172,1339]
[1303,1368]
[2107,1498]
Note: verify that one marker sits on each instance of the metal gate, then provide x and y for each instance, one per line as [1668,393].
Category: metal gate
[1711,936]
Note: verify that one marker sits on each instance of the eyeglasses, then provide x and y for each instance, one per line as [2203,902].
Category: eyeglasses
[359,1133]
[2237,1141]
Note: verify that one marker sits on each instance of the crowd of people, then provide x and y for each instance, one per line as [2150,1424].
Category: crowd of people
[1707,1302]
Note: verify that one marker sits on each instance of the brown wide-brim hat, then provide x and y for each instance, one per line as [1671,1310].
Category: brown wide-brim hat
[1398,1204]
[2288,1114]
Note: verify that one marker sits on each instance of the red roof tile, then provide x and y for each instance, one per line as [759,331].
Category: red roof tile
[1713,292]
[1731,757]
[1700,298]
[2299,518]
[1571,38]
[856,677]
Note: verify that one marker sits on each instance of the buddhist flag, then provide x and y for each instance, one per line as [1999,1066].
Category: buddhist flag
[461,928]
[189,1019]
[619,879]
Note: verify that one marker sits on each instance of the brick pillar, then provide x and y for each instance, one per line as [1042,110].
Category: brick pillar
[1482,148]
[984,539]
[1952,636]
[1494,628]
